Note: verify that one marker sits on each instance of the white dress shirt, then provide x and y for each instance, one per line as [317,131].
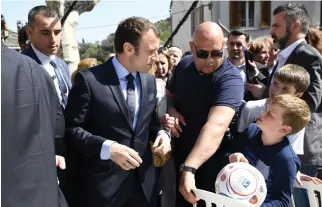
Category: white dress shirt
[45,61]
[242,69]
[284,54]
[121,74]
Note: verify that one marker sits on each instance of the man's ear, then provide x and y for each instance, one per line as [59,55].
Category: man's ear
[128,48]
[286,129]
[191,46]
[29,31]
[296,25]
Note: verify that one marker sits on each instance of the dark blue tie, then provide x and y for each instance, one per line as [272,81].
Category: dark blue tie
[61,83]
[131,103]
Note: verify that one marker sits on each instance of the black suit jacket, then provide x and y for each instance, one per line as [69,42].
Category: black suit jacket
[28,112]
[97,111]
[310,59]
[60,127]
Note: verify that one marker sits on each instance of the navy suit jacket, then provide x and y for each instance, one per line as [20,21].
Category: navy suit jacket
[97,111]
[31,53]
[60,126]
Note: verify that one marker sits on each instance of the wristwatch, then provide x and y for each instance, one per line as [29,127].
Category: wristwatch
[187,169]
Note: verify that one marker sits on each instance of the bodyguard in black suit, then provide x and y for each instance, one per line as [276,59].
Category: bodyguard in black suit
[44,31]
[111,119]
[28,112]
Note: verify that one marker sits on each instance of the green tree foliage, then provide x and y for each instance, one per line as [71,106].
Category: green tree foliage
[98,50]
[165,28]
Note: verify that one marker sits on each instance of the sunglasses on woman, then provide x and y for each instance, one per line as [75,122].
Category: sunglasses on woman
[203,54]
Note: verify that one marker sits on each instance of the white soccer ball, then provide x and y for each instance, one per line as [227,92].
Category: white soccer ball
[243,182]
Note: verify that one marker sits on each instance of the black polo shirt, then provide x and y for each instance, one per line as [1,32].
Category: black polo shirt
[196,94]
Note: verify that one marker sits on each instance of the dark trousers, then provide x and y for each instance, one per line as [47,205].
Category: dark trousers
[132,195]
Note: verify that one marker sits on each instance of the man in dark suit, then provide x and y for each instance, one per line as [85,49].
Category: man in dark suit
[111,119]
[44,31]
[290,26]
[29,113]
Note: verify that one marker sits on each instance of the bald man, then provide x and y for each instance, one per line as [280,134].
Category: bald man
[204,94]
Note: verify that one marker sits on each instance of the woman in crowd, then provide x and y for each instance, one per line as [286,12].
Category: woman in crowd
[260,51]
[257,66]
[176,55]
[273,52]
[83,65]
[163,72]
[314,38]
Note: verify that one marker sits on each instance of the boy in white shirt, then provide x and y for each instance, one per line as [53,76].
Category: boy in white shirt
[290,79]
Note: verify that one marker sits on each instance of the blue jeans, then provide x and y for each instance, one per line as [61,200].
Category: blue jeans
[300,196]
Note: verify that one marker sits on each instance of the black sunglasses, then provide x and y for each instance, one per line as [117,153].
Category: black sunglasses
[203,54]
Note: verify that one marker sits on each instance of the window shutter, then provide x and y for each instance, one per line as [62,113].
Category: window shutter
[192,22]
[201,12]
[197,17]
[234,14]
[265,14]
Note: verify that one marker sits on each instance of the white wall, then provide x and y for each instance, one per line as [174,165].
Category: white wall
[181,39]
[224,13]
[257,13]
[206,11]
[313,8]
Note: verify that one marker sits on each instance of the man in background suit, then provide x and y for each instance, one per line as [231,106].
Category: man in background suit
[111,119]
[290,26]
[29,113]
[44,31]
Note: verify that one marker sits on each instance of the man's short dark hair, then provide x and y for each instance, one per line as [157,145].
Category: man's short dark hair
[130,30]
[239,33]
[2,19]
[295,12]
[3,22]
[22,36]
[43,10]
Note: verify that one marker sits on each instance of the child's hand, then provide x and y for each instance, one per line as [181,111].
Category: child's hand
[237,157]
[302,177]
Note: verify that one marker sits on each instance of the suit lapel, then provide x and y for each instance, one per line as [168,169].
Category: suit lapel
[114,85]
[143,82]
[288,61]
[31,53]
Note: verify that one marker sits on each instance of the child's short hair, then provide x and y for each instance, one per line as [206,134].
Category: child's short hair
[295,75]
[258,46]
[296,111]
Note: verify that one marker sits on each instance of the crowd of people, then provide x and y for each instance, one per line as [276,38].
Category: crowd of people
[151,124]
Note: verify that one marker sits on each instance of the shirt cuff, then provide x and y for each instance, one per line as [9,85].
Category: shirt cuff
[106,149]
[164,131]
